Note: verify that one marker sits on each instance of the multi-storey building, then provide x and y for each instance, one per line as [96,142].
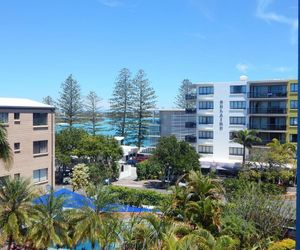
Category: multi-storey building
[30,130]
[221,110]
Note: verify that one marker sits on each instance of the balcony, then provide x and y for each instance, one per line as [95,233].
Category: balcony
[190,111]
[191,97]
[265,142]
[190,124]
[267,111]
[190,138]
[267,94]
[268,126]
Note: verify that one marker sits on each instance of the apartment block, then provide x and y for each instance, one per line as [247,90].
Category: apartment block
[30,129]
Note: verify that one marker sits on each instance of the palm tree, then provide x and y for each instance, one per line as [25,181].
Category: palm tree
[15,209]
[246,138]
[5,150]
[49,226]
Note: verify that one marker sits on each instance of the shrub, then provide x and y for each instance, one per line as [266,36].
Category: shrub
[137,197]
[285,244]
[147,170]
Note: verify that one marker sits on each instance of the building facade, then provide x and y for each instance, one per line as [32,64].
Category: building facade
[30,129]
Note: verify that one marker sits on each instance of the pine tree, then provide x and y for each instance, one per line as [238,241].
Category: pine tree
[121,103]
[48,100]
[70,99]
[184,89]
[92,107]
[144,100]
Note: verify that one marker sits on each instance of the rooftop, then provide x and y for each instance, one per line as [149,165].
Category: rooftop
[21,103]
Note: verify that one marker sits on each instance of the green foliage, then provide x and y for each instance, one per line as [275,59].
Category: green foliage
[176,157]
[137,197]
[148,170]
[281,154]
[80,177]
[184,89]
[5,150]
[92,108]
[285,244]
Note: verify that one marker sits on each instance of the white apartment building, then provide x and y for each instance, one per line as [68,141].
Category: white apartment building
[221,110]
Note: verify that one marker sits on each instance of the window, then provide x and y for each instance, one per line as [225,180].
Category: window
[17,147]
[40,175]
[40,147]
[3,117]
[293,121]
[294,87]
[40,119]
[237,120]
[231,135]
[237,104]
[293,137]
[17,176]
[206,134]
[206,90]
[206,120]
[205,149]
[294,104]
[16,116]
[236,151]
[238,89]
[206,105]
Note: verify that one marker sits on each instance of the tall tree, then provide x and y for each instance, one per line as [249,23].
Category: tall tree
[70,99]
[48,100]
[144,100]
[246,138]
[184,89]
[5,150]
[92,106]
[121,102]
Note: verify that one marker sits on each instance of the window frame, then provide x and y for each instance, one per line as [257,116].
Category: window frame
[243,89]
[40,177]
[208,117]
[239,104]
[237,119]
[210,151]
[206,105]
[40,142]
[206,90]
[237,151]
[205,132]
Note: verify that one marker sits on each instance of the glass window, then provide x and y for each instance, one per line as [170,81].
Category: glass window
[206,90]
[40,119]
[237,104]
[17,146]
[17,176]
[16,116]
[293,137]
[3,117]
[40,175]
[293,121]
[237,89]
[231,135]
[206,120]
[237,120]
[40,147]
[206,105]
[236,151]
[205,149]
[206,134]
[294,87]
[294,104]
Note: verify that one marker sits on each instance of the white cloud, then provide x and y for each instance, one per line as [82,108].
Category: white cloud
[111,3]
[271,16]
[283,69]
[242,67]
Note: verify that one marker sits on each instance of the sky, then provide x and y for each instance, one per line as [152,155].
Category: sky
[44,41]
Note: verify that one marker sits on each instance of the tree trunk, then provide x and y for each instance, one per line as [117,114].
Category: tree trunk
[10,241]
[244,154]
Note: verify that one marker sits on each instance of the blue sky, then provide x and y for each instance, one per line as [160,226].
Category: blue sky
[42,42]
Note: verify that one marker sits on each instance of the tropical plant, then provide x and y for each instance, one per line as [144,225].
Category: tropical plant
[49,226]
[285,244]
[246,138]
[80,177]
[15,209]
[5,149]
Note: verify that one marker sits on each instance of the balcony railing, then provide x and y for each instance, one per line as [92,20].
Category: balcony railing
[190,110]
[190,124]
[191,97]
[267,95]
[267,127]
[190,138]
[267,110]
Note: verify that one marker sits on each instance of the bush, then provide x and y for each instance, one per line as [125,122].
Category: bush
[137,197]
[286,244]
[147,170]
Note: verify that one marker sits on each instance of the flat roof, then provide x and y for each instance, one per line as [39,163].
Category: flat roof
[6,102]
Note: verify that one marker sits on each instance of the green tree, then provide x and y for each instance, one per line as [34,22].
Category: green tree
[121,103]
[175,157]
[15,209]
[69,101]
[5,150]
[92,107]
[49,226]
[184,89]
[80,177]
[48,100]
[246,138]
[144,100]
